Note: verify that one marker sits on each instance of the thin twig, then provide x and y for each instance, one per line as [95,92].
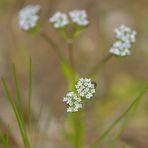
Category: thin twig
[71,53]
[100,64]
[53,45]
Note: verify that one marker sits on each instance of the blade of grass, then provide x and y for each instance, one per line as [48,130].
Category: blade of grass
[119,132]
[17,115]
[106,132]
[18,92]
[30,92]
[4,140]
[124,124]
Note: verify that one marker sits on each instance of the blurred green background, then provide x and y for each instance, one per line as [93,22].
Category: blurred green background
[118,82]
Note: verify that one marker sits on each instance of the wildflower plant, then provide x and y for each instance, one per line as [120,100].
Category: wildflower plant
[79,89]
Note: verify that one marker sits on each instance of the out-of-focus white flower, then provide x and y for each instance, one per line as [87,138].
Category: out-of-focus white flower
[73,102]
[125,37]
[121,48]
[28,17]
[79,17]
[59,20]
[85,88]
[125,34]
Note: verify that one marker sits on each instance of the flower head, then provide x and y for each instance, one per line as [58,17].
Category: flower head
[85,88]
[120,48]
[79,17]
[125,34]
[73,102]
[28,17]
[125,37]
[59,20]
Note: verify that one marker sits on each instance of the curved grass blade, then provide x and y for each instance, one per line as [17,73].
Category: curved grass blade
[133,104]
[18,92]
[30,92]
[17,115]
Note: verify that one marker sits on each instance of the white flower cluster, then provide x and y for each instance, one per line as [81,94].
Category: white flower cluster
[125,37]
[125,34]
[28,17]
[59,20]
[78,17]
[73,101]
[85,89]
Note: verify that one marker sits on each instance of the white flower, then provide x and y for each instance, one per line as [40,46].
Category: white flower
[121,48]
[125,34]
[85,88]
[59,20]
[28,17]
[73,102]
[79,17]
[125,37]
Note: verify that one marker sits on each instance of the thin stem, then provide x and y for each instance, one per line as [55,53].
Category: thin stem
[53,45]
[78,130]
[100,64]
[106,132]
[71,58]
[71,52]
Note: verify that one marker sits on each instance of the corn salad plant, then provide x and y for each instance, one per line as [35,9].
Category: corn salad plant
[80,88]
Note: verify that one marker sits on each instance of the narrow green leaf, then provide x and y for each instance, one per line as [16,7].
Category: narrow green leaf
[133,104]
[17,115]
[30,92]
[18,92]
[4,140]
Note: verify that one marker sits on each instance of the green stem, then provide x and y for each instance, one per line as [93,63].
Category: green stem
[106,132]
[78,130]
[75,119]
[53,45]
[100,64]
